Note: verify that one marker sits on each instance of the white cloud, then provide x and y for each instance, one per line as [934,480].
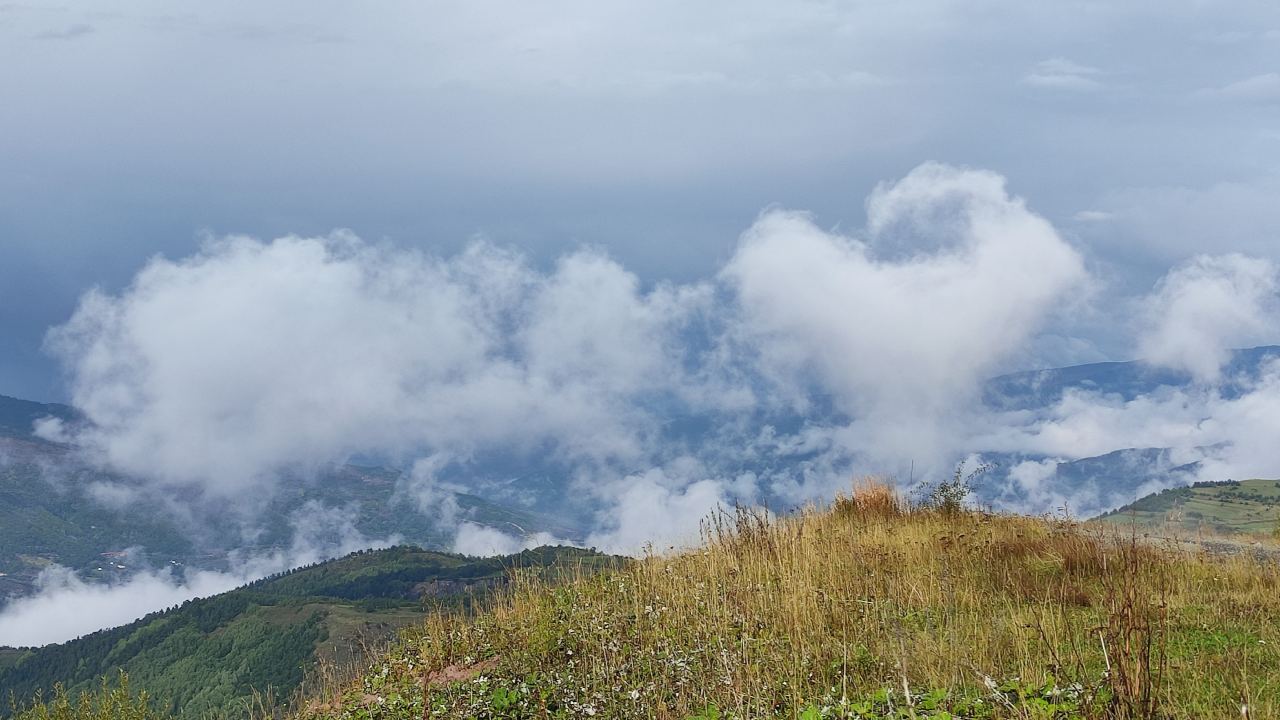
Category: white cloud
[50,428]
[1201,310]
[1093,216]
[659,509]
[481,541]
[66,607]
[429,495]
[1229,434]
[224,368]
[1029,480]
[1061,73]
[902,337]
[221,370]
[849,80]
[1264,87]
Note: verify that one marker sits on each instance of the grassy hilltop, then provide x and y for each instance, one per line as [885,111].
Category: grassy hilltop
[865,609]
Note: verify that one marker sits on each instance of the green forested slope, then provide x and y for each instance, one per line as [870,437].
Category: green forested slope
[209,656]
[46,518]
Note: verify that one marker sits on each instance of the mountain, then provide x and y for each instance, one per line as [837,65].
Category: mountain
[1089,485]
[1039,389]
[47,516]
[1102,482]
[209,656]
[57,508]
[1229,507]
[18,417]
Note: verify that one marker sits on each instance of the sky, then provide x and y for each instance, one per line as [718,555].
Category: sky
[654,132]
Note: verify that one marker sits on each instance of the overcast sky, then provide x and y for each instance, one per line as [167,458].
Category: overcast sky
[1145,132]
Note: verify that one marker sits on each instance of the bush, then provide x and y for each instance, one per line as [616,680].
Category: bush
[948,497]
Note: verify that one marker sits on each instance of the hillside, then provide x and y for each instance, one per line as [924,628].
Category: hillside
[1035,389]
[865,610]
[210,655]
[17,416]
[49,513]
[1250,507]
[46,517]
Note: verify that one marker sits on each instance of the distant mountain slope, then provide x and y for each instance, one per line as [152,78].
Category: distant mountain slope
[1122,475]
[1035,389]
[47,516]
[208,656]
[1226,508]
[18,417]
[54,508]
[1092,484]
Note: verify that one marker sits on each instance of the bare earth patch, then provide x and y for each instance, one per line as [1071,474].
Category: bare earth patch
[458,673]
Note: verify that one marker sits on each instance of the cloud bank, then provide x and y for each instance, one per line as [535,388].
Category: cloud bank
[220,371]
[809,355]
[66,607]
[953,279]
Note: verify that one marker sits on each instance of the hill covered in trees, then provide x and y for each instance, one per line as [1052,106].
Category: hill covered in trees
[210,656]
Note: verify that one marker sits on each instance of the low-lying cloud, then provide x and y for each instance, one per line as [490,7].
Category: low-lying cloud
[64,606]
[1230,433]
[219,371]
[1202,309]
[222,369]
[901,327]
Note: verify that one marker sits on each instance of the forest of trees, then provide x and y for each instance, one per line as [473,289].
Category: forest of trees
[262,636]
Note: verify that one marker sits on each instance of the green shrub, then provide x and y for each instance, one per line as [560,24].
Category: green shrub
[949,496]
[110,702]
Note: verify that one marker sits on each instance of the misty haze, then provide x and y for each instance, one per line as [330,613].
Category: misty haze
[726,360]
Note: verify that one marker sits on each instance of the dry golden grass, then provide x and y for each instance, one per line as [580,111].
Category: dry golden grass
[865,609]
[871,497]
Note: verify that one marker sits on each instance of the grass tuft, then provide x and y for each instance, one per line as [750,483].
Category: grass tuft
[872,497]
